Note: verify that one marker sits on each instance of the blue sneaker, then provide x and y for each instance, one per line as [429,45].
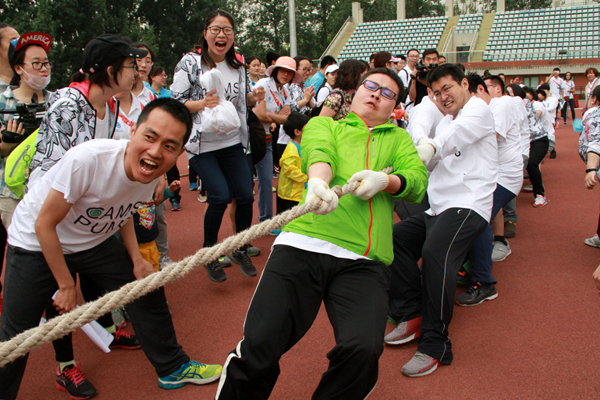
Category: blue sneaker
[192,372]
[193,186]
[275,232]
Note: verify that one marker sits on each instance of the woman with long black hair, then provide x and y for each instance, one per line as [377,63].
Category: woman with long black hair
[219,157]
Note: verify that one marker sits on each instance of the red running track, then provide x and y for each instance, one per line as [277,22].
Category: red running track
[537,340]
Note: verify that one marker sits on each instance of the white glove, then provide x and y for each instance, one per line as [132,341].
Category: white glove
[317,188]
[425,152]
[372,183]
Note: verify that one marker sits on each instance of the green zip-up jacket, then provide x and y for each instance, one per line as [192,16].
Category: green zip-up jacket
[361,226]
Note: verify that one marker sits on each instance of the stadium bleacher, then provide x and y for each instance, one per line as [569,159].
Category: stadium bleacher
[468,23]
[393,36]
[550,33]
[541,34]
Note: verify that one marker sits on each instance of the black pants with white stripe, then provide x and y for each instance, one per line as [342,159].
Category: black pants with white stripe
[442,242]
[287,300]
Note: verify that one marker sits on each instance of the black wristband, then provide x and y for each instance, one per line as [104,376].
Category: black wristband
[587,171]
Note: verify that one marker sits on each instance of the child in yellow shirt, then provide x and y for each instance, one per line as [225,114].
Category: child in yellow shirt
[292,180]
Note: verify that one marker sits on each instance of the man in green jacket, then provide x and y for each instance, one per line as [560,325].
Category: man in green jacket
[339,254]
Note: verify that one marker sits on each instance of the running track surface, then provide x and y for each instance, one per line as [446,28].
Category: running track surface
[537,340]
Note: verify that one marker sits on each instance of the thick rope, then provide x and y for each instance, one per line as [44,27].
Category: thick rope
[57,327]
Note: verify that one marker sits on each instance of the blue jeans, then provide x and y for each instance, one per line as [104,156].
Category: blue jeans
[481,251]
[264,170]
[224,174]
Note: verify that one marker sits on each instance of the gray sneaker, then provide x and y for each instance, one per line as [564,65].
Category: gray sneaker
[241,258]
[594,241]
[500,251]
[215,272]
[224,261]
[420,365]
[253,251]
[164,261]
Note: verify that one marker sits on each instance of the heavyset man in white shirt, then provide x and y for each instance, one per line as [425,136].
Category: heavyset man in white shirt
[461,187]
[510,180]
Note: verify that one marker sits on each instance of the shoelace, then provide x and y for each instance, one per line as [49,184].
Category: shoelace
[246,258]
[473,288]
[74,374]
[214,266]
[421,357]
[119,333]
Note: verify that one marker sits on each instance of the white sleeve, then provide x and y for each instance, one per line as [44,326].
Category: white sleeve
[423,120]
[503,117]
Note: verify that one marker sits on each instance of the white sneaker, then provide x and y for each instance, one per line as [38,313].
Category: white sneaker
[500,251]
[540,201]
[528,188]
[594,241]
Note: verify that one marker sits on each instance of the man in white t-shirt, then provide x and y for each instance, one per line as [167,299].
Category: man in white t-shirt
[412,58]
[510,180]
[66,225]
[556,83]
[461,199]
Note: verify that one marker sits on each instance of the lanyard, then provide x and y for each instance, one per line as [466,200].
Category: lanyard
[275,97]
[125,119]
[591,85]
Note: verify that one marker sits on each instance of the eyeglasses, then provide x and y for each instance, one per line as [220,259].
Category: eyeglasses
[134,66]
[444,90]
[146,61]
[385,92]
[215,30]
[309,69]
[38,65]
[164,76]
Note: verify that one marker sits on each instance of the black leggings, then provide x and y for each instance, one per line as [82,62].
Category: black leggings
[537,152]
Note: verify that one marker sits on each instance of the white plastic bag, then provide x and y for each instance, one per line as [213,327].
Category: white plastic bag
[222,119]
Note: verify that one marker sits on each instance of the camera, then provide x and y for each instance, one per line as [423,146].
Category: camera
[423,70]
[30,115]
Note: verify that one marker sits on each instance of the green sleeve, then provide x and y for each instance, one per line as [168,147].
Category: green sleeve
[408,164]
[318,143]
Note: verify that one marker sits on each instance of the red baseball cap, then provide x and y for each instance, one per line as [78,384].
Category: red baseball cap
[39,38]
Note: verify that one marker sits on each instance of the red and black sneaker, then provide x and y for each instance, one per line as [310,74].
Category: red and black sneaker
[72,381]
[124,340]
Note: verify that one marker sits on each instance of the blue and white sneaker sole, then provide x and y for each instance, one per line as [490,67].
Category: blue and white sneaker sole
[177,384]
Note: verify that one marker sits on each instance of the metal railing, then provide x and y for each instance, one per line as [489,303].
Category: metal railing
[524,55]
[337,37]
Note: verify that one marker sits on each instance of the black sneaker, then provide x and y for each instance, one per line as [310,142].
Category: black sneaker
[215,271]
[476,294]
[124,340]
[72,381]
[242,258]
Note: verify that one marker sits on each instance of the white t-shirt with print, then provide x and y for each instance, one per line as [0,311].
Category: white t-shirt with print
[275,99]
[126,121]
[566,86]
[92,178]
[556,85]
